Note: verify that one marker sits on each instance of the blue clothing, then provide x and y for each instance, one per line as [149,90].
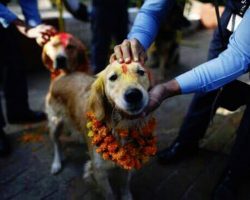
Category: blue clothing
[229,65]
[233,62]
[29,9]
[148,20]
[109,20]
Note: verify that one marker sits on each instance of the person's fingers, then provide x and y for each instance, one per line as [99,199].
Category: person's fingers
[142,57]
[118,53]
[135,49]
[112,58]
[43,28]
[40,41]
[152,105]
[125,47]
[50,32]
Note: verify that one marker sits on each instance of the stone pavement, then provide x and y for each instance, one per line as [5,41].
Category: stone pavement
[25,174]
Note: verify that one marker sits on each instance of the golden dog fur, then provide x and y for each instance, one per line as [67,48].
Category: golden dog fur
[72,95]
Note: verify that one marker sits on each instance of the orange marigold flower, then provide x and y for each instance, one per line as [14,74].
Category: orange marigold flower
[109,139]
[141,141]
[103,131]
[148,150]
[105,156]
[98,150]
[123,133]
[103,146]
[96,139]
[134,134]
[97,124]
[113,147]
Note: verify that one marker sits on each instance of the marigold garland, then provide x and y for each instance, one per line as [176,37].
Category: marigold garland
[139,146]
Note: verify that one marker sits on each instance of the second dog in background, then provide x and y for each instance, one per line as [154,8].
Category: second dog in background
[65,54]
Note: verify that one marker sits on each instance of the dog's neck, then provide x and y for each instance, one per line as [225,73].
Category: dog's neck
[116,119]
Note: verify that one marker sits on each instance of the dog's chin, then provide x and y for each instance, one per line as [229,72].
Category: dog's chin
[131,111]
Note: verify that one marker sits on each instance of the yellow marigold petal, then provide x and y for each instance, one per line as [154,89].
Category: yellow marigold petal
[89,124]
[90,133]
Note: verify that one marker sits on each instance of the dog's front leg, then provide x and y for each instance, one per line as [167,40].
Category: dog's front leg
[125,189]
[55,126]
[101,176]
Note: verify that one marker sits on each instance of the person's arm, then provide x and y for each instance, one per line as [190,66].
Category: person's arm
[30,12]
[143,32]
[148,20]
[230,64]
[6,16]
[41,33]
[77,9]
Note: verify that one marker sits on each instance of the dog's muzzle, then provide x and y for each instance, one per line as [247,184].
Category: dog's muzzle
[134,99]
[60,62]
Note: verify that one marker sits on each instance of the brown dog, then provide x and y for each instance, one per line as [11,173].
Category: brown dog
[115,97]
[64,54]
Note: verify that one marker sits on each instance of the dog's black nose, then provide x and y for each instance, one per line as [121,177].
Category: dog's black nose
[61,62]
[133,95]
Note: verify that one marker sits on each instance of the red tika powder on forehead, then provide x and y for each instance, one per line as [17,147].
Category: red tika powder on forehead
[64,38]
[124,68]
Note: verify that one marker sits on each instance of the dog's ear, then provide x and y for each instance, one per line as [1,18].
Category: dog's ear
[46,60]
[82,57]
[96,97]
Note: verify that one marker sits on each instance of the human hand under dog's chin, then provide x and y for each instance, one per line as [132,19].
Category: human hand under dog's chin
[156,96]
[159,93]
[128,51]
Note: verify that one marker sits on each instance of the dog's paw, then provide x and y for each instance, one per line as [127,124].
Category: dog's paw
[56,167]
[87,170]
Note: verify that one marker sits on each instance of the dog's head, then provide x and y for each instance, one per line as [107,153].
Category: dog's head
[124,86]
[65,53]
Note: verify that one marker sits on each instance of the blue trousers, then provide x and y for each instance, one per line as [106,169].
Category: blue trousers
[107,22]
[203,107]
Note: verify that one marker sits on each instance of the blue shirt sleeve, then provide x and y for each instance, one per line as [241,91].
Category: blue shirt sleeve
[31,12]
[6,16]
[229,65]
[147,21]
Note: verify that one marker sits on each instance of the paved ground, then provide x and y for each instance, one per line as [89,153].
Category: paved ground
[26,173]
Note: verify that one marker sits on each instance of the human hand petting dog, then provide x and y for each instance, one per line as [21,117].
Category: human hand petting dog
[41,33]
[128,51]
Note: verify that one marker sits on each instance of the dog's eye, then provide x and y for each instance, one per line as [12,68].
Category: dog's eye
[140,72]
[113,77]
[70,47]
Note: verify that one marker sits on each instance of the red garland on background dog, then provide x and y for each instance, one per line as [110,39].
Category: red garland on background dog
[134,153]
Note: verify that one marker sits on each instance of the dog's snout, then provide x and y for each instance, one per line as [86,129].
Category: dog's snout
[133,95]
[61,62]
